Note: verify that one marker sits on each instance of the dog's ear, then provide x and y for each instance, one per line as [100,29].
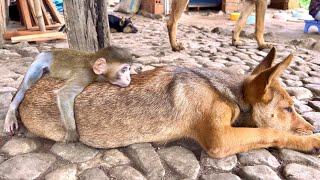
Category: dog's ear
[266,63]
[257,87]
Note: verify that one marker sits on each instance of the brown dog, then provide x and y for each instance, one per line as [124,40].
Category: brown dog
[178,6]
[225,112]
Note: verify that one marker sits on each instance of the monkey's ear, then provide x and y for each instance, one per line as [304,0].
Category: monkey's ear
[99,66]
[123,19]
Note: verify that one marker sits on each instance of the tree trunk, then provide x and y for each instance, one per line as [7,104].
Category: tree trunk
[87,24]
[3,20]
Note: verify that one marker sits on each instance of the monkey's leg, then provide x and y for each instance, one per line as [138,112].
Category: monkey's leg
[261,7]
[178,6]
[34,73]
[246,10]
[66,97]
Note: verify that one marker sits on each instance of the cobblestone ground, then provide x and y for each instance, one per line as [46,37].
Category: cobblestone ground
[25,157]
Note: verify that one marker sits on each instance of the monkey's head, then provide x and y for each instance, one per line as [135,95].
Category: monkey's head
[113,63]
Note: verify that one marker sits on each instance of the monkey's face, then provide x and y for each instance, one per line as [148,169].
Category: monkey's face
[114,72]
[120,76]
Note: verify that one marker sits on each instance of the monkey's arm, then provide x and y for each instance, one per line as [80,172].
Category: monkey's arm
[65,100]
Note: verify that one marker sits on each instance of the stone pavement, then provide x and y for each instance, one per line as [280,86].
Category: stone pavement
[27,157]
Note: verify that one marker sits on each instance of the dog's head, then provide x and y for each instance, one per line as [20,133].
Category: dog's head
[127,25]
[272,106]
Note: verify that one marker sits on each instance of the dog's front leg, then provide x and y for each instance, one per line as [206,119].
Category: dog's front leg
[246,10]
[232,140]
[178,6]
[261,7]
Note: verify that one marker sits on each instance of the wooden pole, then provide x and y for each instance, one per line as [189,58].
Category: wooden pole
[37,7]
[3,20]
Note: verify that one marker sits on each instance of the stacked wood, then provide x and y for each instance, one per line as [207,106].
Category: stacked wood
[2,20]
[39,18]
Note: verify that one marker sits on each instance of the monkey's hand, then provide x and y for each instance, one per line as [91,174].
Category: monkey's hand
[11,122]
[71,136]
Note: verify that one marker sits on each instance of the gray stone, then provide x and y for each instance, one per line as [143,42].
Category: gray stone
[302,108]
[147,160]
[225,164]
[242,56]
[74,152]
[313,118]
[181,161]
[68,172]
[297,157]
[314,73]
[301,74]
[300,172]
[234,59]
[28,51]
[220,176]
[293,83]
[259,172]
[315,88]
[6,54]
[17,146]
[7,89]
[5,99]
[260,157]
[315,105]
[2,159]
[312,80]
[93,174]
[148,59]
[125,173]
[300,92]
[290,76]
[114,157]
[302,68]
[26,166]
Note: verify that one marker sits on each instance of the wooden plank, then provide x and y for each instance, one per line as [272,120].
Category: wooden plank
[33,12]
[25,13]
[3,8]
[39,37]
[36,28]
[9,34]
[37,7]
[47,19]
[55,14]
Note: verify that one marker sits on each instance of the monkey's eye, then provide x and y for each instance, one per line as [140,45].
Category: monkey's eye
[123,70]
[288,109]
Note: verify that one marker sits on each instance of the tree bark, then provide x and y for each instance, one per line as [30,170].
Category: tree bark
[87,24]
[3,20]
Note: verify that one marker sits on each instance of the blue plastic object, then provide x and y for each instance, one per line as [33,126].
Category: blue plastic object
[59,5]
[204,3]
[309,23]
[251,20]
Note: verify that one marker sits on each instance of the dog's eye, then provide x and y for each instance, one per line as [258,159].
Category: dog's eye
[288,109]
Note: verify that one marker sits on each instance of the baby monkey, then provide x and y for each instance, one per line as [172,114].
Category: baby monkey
[79,69]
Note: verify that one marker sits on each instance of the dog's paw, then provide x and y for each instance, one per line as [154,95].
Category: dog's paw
[237,43]
[315,143]
[11,122]
[178,47]
[265,46]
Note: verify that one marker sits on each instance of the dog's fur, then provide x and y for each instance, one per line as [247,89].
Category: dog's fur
[226,113]
[178,6]
[122,24]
